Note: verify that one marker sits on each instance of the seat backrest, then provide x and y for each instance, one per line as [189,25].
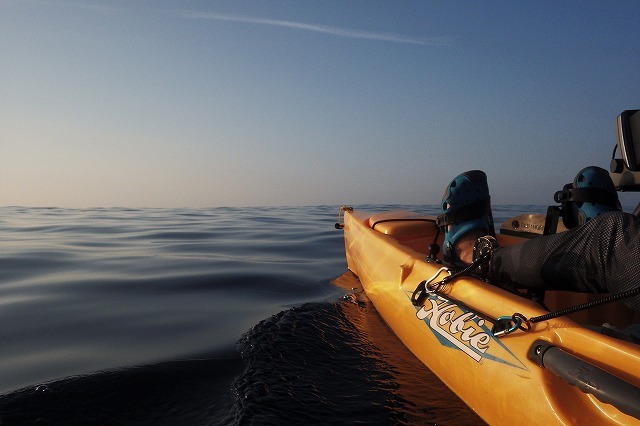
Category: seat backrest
[625,172]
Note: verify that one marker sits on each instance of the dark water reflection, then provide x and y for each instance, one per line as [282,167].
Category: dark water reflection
[211,316]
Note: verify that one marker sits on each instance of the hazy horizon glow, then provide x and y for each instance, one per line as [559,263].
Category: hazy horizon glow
[190,104]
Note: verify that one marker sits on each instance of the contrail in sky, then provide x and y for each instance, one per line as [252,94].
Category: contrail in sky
[325,29]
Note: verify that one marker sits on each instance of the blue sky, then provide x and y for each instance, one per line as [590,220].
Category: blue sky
[226,103]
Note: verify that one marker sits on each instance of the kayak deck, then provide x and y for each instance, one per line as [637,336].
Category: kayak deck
[417,232]
[451,331]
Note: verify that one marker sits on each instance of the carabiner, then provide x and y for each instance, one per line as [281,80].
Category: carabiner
[437,285]
[505,325]
[421,291]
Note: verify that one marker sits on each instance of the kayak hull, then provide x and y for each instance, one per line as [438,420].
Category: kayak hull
[450,332]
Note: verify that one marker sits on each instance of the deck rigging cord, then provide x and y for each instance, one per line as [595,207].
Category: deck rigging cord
[505,324]
[577,308]
[426,287]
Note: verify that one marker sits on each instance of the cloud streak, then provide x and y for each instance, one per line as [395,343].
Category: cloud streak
[324,29]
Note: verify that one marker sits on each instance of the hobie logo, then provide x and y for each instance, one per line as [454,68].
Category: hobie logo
[456,325]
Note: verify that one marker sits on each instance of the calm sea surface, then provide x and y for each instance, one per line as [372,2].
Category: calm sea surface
[199,317]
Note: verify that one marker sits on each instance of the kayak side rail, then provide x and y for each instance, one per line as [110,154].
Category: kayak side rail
[587,377]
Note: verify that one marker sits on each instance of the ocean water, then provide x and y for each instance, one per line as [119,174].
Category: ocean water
[200,317]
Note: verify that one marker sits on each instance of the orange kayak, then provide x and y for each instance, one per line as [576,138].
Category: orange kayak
[555,371]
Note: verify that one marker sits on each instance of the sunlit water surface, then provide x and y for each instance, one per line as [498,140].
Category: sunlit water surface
[208,316]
